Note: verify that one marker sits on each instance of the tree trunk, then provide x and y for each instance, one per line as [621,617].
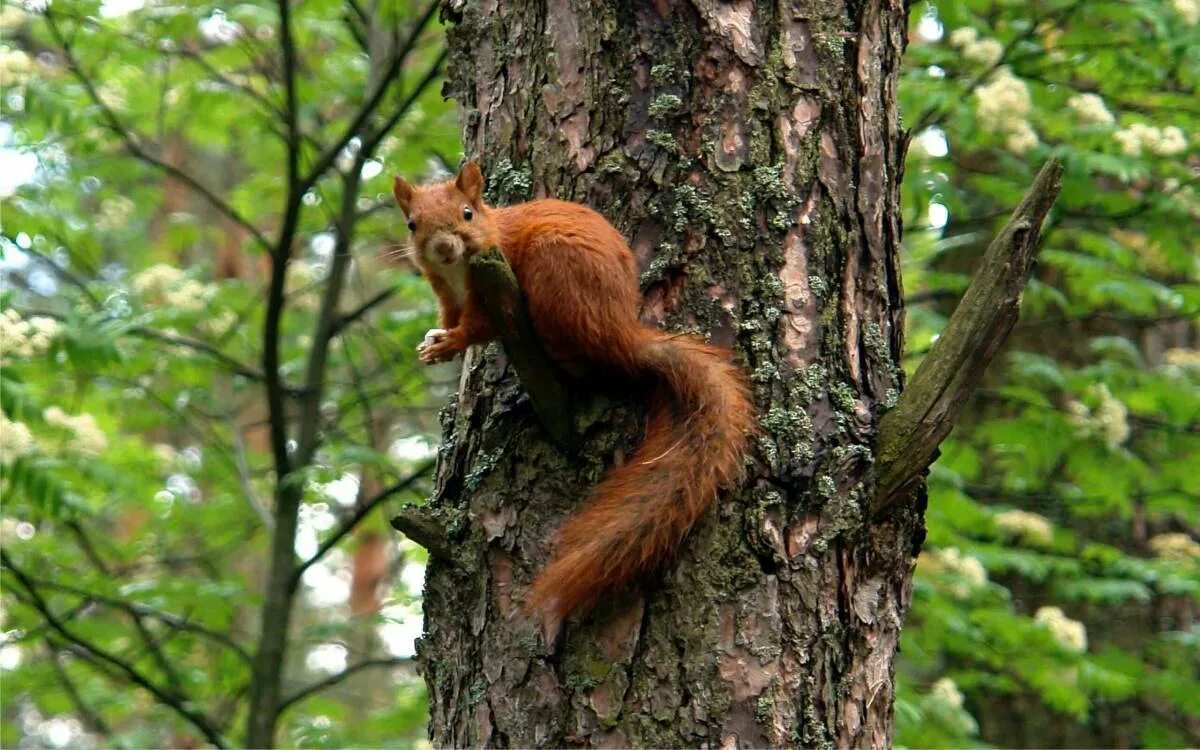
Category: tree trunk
[752,154]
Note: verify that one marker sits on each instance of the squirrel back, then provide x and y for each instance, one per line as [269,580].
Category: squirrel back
[579,279]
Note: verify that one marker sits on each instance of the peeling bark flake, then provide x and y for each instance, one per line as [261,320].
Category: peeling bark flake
[801,535]
[733,150]
[734,22]
[579,148]
[799,57]
[866,599]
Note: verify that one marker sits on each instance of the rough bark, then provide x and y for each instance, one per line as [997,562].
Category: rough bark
[751,152]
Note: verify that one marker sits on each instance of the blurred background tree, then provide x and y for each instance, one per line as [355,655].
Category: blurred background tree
[1056,601]
[169,503]
[155,158]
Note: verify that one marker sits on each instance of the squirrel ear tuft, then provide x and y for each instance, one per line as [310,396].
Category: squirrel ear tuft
[470,181]
[403,192]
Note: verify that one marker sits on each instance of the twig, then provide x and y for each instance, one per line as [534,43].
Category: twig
[176,703]
[360,513]
[420,524]
[334,679]
[148,640]
[234,366]
[315,371]
[66,275]
[196,345]
[909,434]
[361,310]
[133,144]
[430,76]
[243,474]
[172,620]
[358,124]
[90,717]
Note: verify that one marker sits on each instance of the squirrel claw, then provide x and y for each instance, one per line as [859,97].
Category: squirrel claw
[432,336]
[434,348]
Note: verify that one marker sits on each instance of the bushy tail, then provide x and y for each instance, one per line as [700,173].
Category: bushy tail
[700,417]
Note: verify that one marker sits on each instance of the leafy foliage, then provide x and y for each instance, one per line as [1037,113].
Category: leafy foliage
[134,457]
[1056,603]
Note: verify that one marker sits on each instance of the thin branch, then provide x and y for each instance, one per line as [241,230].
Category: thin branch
[267,667]
[909,434]
[423,525]
[66,275]
[431,75]
[334,679]
[360,513]
[197,57]
[196,345]
[133,142]
[315,372]
[176,703]
[358,124]
[358,312]
[148,640]
[173,621]
[90,717]
[243,474]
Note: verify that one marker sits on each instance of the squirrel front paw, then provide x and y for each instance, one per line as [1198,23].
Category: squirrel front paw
[437,347]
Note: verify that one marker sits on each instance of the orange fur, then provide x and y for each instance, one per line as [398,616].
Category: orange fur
[579,280]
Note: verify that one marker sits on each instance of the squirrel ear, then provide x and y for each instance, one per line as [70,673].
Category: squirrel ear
[470,181]
[403,192]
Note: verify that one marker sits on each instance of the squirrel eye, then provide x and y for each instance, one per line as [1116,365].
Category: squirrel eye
[412,225]
[467,213]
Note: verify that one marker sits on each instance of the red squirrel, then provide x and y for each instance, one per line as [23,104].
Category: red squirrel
[579,281]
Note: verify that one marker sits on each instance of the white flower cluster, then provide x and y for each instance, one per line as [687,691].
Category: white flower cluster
[219,323]
[1189,10]
[15,65]
[156,279]
[967,568]
[1182,357]
[299,275]
[1030,528]
[1090,109]
[11,16]
[15,440]
[946,692]
[21,338]
[1002,105]
[1070,634]
[1177,547]
[984,51]
[167,456]
[114,212]
[1110,418]
[1140,137]
[86,435]
[169,285]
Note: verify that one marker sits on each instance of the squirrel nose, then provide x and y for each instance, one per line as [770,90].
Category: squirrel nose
[445,248]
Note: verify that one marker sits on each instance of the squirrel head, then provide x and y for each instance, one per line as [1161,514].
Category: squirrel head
[448,221]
